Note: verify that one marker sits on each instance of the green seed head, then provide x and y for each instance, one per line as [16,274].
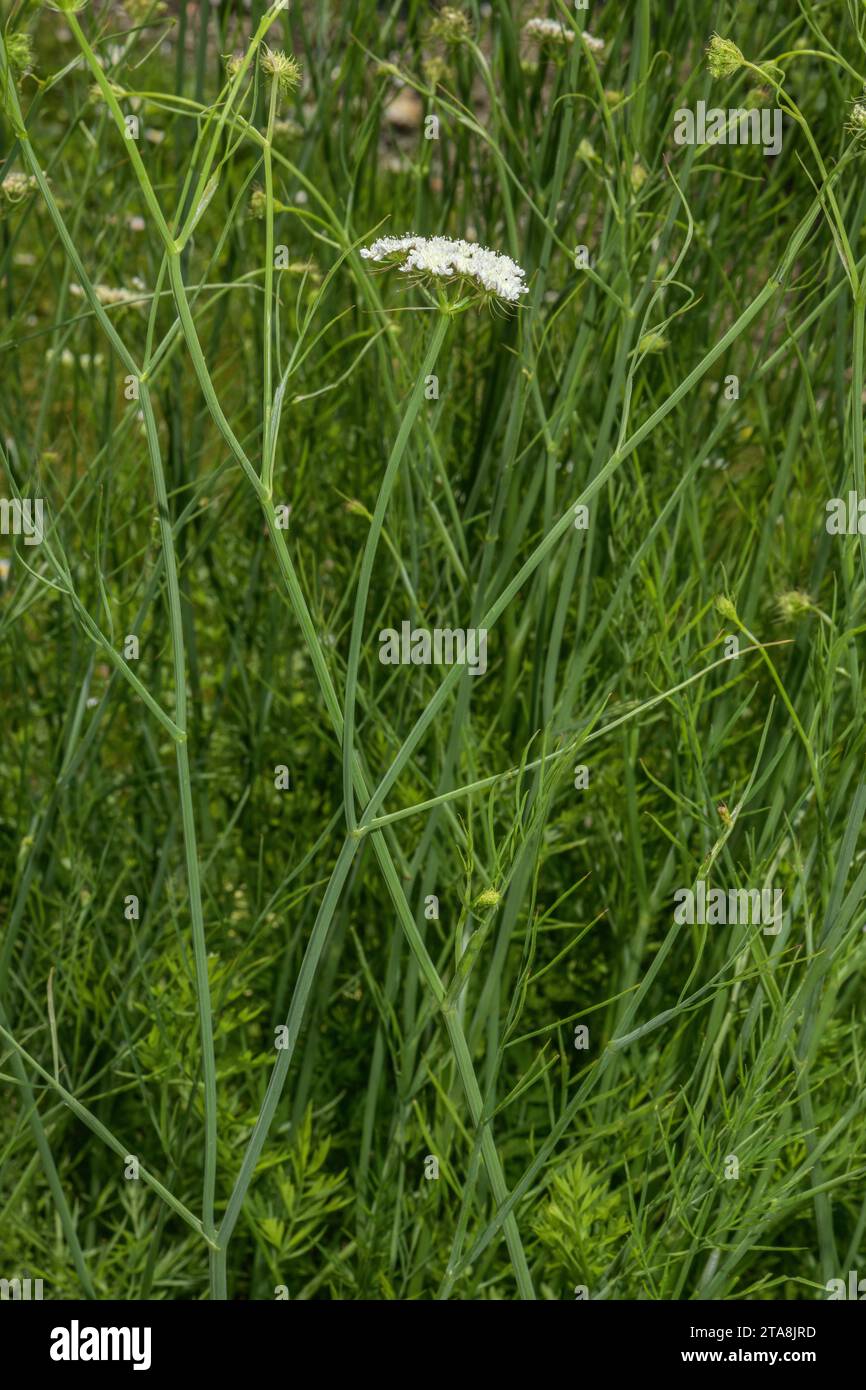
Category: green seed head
[793,604]
[726,607]
[638,175]
[723,57]
[434,69]
[757,97]
[652,342]
[19,51]
[281,68]
[491,897]
[97,96]
[451,25]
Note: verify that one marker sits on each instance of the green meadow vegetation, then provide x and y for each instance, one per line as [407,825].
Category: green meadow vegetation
[327,978]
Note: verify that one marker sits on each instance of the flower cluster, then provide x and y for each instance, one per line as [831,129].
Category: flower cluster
[793,605]
[449,259]
[96,95]
[552,31]
[652,342]
[857,121]
[111,297]
[19,51]
[282,68]
[723,56]
[67,358]
[16,186]
[450,24]
[490,897]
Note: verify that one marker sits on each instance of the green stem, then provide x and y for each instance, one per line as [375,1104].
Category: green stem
[267,325]
[370,548]
[202,980]
[111,100]
[857,409]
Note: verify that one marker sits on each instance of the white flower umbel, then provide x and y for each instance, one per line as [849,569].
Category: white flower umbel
[548,29]
[448,260]
[551,31]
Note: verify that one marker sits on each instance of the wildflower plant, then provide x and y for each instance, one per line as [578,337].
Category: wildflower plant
[357,979]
